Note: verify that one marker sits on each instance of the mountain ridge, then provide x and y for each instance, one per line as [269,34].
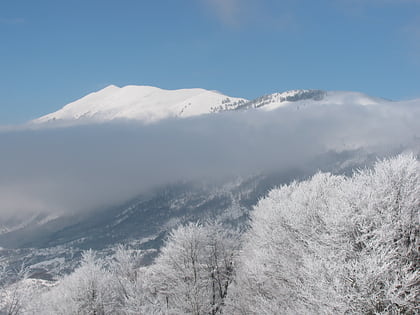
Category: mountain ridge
[144,103]
[150,104]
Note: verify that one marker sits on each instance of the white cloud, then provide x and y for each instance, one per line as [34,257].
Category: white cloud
[86,167]
[228,11]
[256,13]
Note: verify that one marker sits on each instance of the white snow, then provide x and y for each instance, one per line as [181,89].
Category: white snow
[150,104]
[143,103]
[36,219]
[325,98]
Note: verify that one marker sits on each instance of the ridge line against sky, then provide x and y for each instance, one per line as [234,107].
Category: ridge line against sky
[54,52]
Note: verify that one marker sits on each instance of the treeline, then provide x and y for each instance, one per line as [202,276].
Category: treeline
[328,245]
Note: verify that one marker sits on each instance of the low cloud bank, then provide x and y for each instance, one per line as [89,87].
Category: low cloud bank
[85,167]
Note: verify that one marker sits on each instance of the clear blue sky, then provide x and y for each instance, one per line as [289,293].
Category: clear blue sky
[53,51]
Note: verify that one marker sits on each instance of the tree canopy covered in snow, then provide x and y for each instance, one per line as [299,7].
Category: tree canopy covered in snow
[335,245]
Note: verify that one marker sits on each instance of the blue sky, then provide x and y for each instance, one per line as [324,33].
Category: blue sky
[53,51]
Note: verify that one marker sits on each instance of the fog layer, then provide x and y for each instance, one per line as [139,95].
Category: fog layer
[86,167]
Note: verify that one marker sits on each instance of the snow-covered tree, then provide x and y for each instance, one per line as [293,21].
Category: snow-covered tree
[129,282]
[288,263]
[334,245]
[14,293]
[88,290]
[194,270]
[385,269]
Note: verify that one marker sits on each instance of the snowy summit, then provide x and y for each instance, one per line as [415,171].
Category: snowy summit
[144,103]
[151,104]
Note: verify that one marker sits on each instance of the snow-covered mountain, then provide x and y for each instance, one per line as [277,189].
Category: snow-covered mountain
[151,104]
[8,225]
[302,98]
[144,103]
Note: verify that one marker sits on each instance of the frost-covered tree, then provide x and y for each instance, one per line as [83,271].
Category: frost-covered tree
[385,269]
[111,285]
[88,290]
[3,284]
[334,245]
[123,268]
[14,293]
[288,263]
[194,270]
[129,282]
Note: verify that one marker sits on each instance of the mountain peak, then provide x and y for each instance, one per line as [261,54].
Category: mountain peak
[150,104]
[143,103]
[110,87]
